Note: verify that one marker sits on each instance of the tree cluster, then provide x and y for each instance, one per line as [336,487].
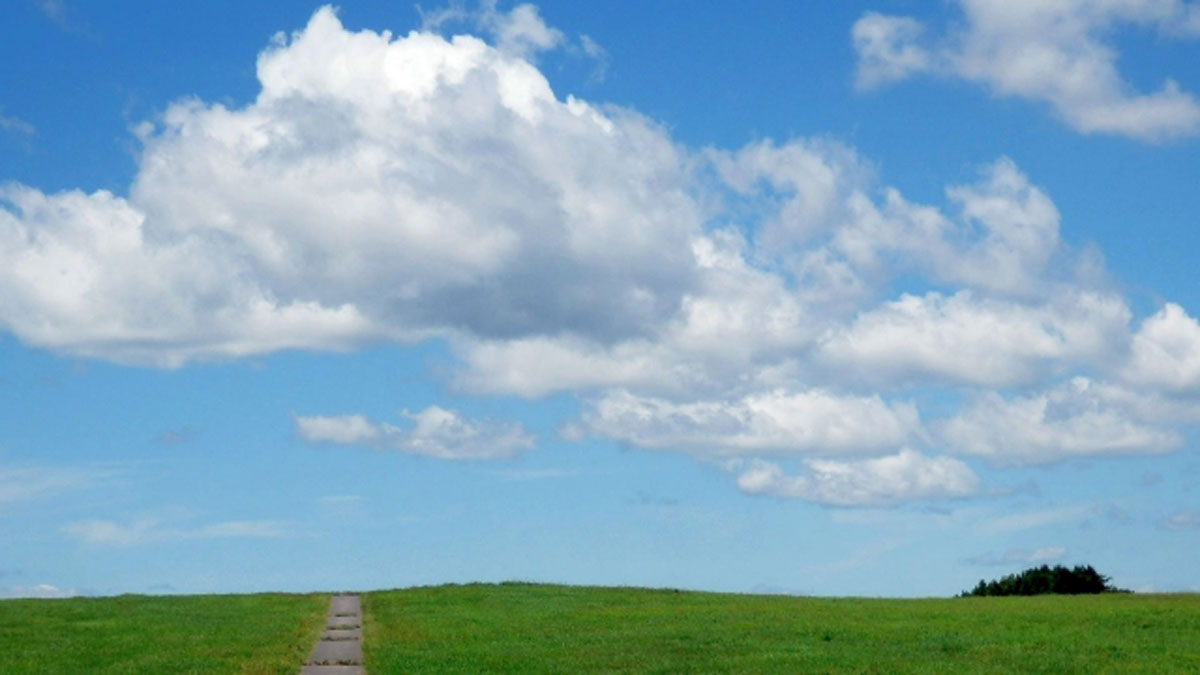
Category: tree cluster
[1044,579]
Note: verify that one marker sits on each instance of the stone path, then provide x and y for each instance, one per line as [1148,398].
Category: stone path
[339,651]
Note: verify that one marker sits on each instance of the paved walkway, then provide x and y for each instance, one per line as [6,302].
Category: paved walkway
[339,651]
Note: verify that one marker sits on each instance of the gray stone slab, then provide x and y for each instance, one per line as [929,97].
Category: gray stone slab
[342,634]
[345,605]
[336,653]
[343,622]
[332,670]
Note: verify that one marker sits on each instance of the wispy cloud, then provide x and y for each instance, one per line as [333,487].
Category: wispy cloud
[15,125]
[38,591]
[17,129]
[1016,556]
[1184,519]
[35,482]
[147,530]
[1019,522]
[64,16]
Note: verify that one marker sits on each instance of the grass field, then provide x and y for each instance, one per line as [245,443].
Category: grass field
[554,629]
[267,633]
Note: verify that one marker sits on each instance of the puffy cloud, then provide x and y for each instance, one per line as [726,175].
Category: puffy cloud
[737,323]
[967,339]
[904,476]
[1165,351]
[376,188]
[146,530]
[744,303]
[1050,52]
[1070,420]
[776,422]
[434,432]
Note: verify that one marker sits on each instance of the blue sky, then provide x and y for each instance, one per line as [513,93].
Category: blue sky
[862,298]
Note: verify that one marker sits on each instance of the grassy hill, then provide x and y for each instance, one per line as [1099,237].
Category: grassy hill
[267,633]
[554,629]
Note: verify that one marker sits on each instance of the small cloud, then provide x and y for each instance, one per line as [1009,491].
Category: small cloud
[1039,556]
[599,56]
[63,16]
[1019,522]
[16,126]
[27,483]
[520,32]
[1185,519]
[433,432]
[145,530]
[39,591]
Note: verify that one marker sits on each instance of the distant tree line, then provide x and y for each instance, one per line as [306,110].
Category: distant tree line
[1042,580]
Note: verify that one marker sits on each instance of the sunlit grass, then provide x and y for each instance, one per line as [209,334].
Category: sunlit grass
[548,629]
[268,633]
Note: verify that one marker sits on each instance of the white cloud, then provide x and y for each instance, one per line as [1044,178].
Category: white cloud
[1067,421]
[735,302]
[887,48]
[434,432]
[344,429]
[904,476]
[737,318]
[1184,519]
[146,530]
[968,339]
[38,591]
[520,31]
[15,125]
[1166,351]
[21,483]
[1019,522]
[1039,556]
[1058,53]
[376,188]
[777,422]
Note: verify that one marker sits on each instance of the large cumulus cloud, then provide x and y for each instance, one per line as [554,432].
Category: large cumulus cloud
[773,303]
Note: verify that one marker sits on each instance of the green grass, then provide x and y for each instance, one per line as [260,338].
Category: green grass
[554,629]
[269,633]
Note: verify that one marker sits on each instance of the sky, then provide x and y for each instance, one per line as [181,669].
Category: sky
[869,298]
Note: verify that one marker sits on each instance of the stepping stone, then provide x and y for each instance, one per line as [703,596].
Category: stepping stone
[342,634]
[339,649]
[336,653]
[343,622]
[345,605]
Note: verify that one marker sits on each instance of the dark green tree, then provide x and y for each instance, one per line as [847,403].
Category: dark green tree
[1043,580]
